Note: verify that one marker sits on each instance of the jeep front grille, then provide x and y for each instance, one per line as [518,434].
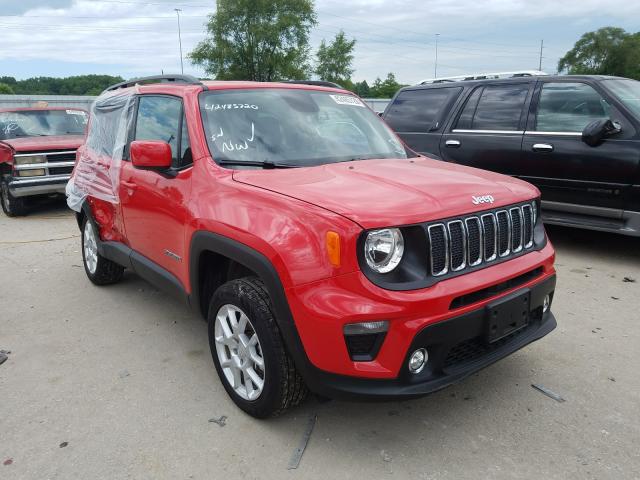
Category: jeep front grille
[468,242]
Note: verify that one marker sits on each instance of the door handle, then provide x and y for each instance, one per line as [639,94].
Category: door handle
[131,187]
[452,143]
[542,147]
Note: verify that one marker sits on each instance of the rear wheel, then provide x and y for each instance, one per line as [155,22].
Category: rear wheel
[11,206]
[248,351]
[99,269]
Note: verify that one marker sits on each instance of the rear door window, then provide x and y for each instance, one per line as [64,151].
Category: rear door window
[494,107]
[569,107]
[419,110]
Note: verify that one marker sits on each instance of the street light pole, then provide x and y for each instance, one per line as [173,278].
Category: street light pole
[435,67]
[180,39]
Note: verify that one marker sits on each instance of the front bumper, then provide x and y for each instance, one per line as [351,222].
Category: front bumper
[456,350]
[27,186]
[453,308]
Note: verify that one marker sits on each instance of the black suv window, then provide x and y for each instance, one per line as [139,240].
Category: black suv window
[161,118]
[494,107]
[418,110]
[569,107]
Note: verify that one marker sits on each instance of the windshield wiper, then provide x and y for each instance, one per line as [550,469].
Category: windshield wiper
[257,163]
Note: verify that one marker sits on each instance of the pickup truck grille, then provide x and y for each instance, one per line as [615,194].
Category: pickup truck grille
[467,242]
[53,163]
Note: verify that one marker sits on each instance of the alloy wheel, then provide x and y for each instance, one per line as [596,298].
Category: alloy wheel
[239,352]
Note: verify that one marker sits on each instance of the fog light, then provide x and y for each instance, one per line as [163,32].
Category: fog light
[546,303]
[418,360]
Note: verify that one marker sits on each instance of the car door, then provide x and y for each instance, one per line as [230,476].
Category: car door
[154,202]
[418,115]
[487,131]
[573,176]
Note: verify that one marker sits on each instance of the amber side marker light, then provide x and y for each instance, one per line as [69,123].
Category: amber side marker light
[333,248]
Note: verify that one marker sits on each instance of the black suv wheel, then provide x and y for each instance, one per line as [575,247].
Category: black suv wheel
[248,350]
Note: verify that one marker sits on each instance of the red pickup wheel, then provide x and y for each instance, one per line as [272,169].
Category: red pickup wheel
[99,269]
[248,351]
[11,206]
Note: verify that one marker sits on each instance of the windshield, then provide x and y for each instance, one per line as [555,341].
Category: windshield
[38,123]
[628,92]
[294,127]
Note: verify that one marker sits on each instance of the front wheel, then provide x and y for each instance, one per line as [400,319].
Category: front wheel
[99,269]
[11,206]
[248,351]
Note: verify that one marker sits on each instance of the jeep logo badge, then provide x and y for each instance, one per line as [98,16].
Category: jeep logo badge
[483,199]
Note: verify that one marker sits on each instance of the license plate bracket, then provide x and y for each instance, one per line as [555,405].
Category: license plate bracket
[507,315]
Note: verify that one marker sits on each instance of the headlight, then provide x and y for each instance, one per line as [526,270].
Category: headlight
[383,249]
[30,159]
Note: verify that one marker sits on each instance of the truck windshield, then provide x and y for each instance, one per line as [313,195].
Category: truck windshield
[39,123]
[293,127]
[628,92]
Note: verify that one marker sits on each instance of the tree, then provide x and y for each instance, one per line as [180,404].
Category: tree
[262,40]
[362,89]
[5,89]
[76,85]
[385,88]
[607,51]
[334,60]
[625,61]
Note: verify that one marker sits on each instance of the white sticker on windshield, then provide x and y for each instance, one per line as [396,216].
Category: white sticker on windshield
[76,112]
[347,100]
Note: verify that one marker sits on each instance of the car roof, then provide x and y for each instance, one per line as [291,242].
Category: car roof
[182,87]
[464,83]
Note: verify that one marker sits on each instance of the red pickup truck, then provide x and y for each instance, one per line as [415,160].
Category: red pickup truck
[37,153]
[325,255]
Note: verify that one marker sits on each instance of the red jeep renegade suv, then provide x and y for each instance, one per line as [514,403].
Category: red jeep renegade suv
[324,254]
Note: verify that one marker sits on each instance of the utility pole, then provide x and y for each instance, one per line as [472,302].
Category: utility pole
[180,39]
[540,62]
[435,67]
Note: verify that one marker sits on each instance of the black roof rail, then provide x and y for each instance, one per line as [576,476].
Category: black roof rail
[187,79]
[317,83]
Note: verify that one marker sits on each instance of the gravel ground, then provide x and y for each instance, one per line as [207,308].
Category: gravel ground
[118,382]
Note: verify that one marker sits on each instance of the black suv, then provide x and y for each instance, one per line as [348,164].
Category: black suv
[577,138]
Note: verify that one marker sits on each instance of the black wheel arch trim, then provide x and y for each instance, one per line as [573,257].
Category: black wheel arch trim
[203,241]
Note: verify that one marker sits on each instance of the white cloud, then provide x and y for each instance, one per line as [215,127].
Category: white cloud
[137,37]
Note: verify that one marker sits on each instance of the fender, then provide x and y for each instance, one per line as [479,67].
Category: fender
[6,153]
[202,241]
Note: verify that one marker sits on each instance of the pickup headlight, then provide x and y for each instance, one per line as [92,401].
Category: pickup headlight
[30,159]
[383,249]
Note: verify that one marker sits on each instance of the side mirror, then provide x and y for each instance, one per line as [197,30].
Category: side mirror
[595,132]
[150,154]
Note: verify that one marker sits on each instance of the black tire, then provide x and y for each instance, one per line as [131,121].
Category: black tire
[106,272]
[11,206]
[283,385]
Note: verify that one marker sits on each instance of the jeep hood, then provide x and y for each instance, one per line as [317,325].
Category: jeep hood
[49,142]
[378,193]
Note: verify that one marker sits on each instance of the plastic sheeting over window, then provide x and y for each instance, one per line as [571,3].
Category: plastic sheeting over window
[97,172]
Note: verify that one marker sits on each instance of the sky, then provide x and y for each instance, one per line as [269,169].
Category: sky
[134,38]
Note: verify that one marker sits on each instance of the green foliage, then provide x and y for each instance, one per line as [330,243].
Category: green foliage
[77,85]
[385,88]
[334,60]
[262,40]
[362,89]
[607,51]
[5,89]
